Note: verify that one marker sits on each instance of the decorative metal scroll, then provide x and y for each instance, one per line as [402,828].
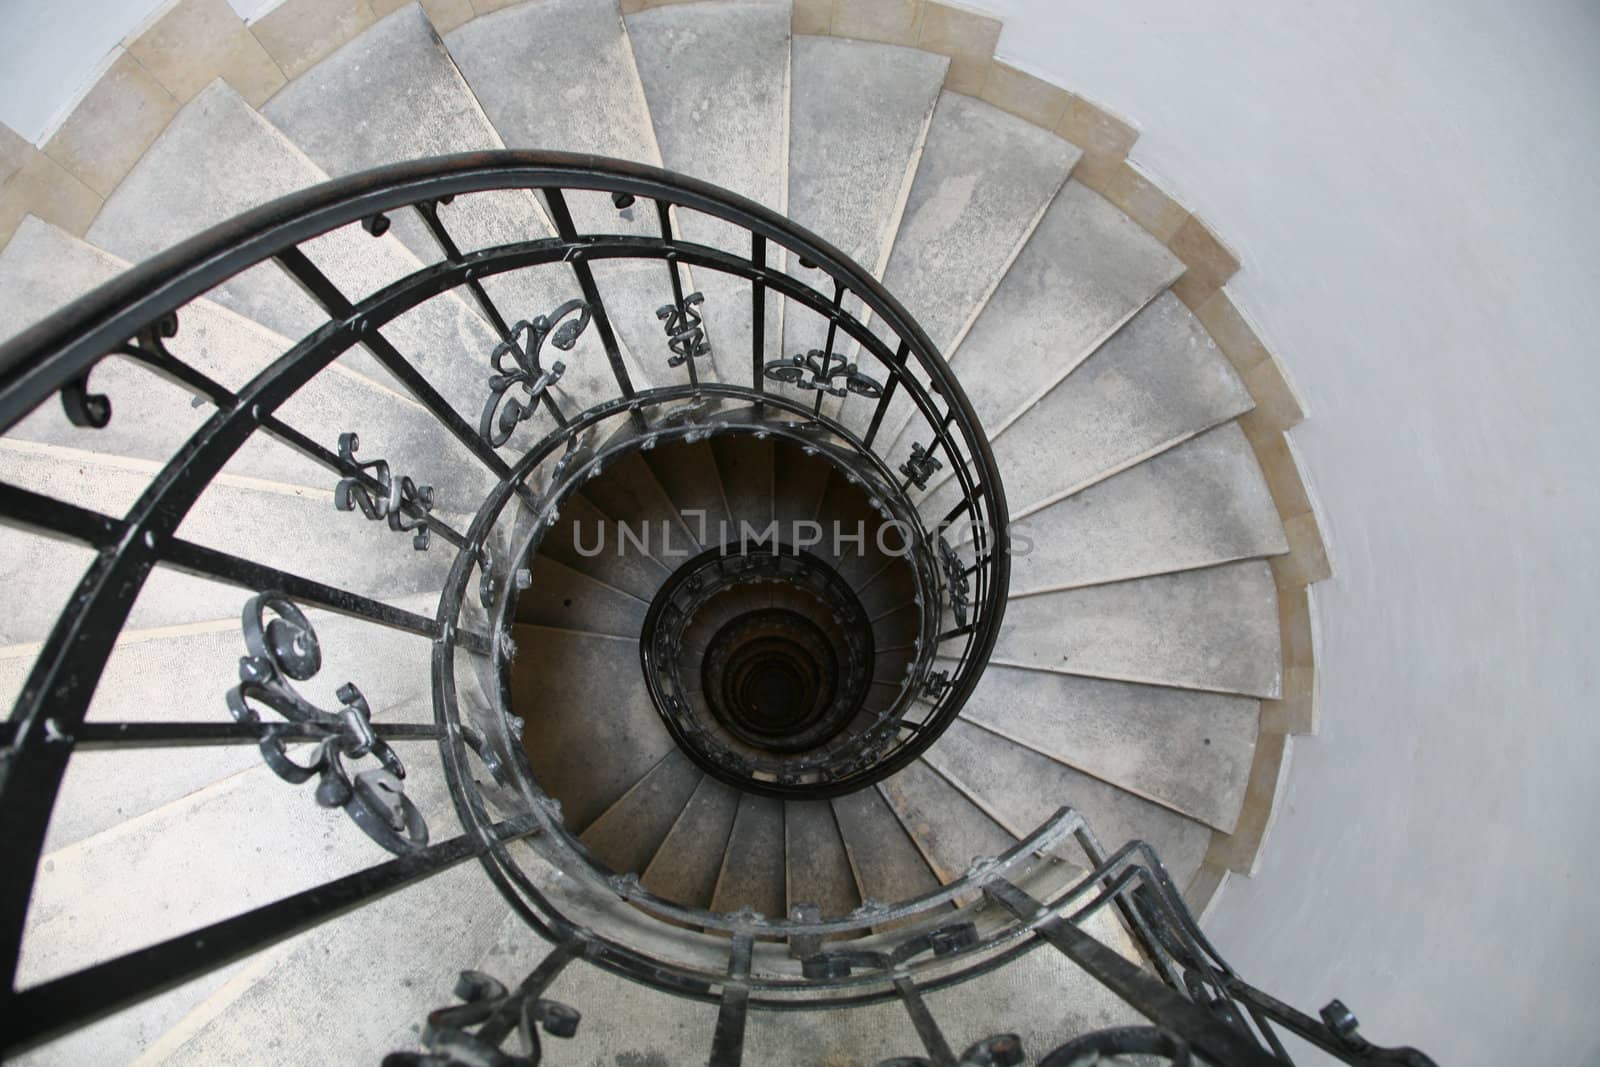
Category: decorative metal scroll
[826,368]
[562,329]
[955,579]
[494,1012]
[685,326]
[921,466]
[285,650]
[393,499]
[93,410]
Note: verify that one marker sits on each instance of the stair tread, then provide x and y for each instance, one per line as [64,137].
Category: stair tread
[686,866]
[628,834]
[393,94]
[585,760]
[568,599]
[240,518]
[887,865]
[949,829]
[1157,381]
[1201,503]
[586,539]
[816,867]
[1021,788]
[1215,628]
[752,866]
[688,473]
[983,181]
[1186,749]
[44,268]
[627,492]
[745,466]
[217,158]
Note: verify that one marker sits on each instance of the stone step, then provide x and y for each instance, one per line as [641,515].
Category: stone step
[686,866]
[628,492]
[44,268]
[688,473]
[1087,269]
[1021,788]
[631,830]
[859,118]
[559,75]
[753,863]
[948,828]
[745,467]
[1188,750]
[570,600]
[725,121]
[887,865]
[264,522]
[587,540]
[1215,629]
[181,674]
[1158,381]
[1202,503]
[217,158]
[392,95]
[800,483]
[592,731]
[817,868]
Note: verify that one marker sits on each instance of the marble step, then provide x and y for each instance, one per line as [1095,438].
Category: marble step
[559,75]
[1188,750]
[1158,381]
[753,863]
[859,118]
[44,268]
[817,868]
[628,834]
[218,157]
[686,866]
[1021,788]
[592,731]
[1202,503]
[724,120]
[1087,268]
[264,522]
[392,95]
[948,828]
[1215,629]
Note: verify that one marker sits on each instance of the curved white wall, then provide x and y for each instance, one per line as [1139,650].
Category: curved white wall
[1412,190]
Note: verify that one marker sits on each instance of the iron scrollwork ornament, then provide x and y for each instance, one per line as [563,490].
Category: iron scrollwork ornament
[686,332]
[516,362]
[93,410]
[395,496]
[285,650]
[826,370]
[496,1013]
[921,466]
[955,577]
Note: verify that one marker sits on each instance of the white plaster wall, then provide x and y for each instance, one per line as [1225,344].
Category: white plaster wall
[1412,188]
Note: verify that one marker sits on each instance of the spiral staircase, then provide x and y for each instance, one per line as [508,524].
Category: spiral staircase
[726,672]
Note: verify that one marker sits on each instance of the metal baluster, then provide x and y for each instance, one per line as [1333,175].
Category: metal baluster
[927,1029]
[562,217]
[758,315]
[727,1043]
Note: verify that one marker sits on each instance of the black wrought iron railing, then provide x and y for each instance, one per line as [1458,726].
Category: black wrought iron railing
[542,405]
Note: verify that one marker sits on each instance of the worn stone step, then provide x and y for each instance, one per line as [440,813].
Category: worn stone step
[1021,788]
[592,731]
[1086,269]
[218,158]
[888,867]
[1188,750]
[570,600]
[1202,503]
[392,95]
[1158,381]
[686,866]
[752,865]
[1215,628]
[264,522]
[588,540]
[44,268]
[560,75]
[725,121]
[817,868]
[688,473]
[859,118]
[628,834]
[948,828]
[745,467]
[800,482]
